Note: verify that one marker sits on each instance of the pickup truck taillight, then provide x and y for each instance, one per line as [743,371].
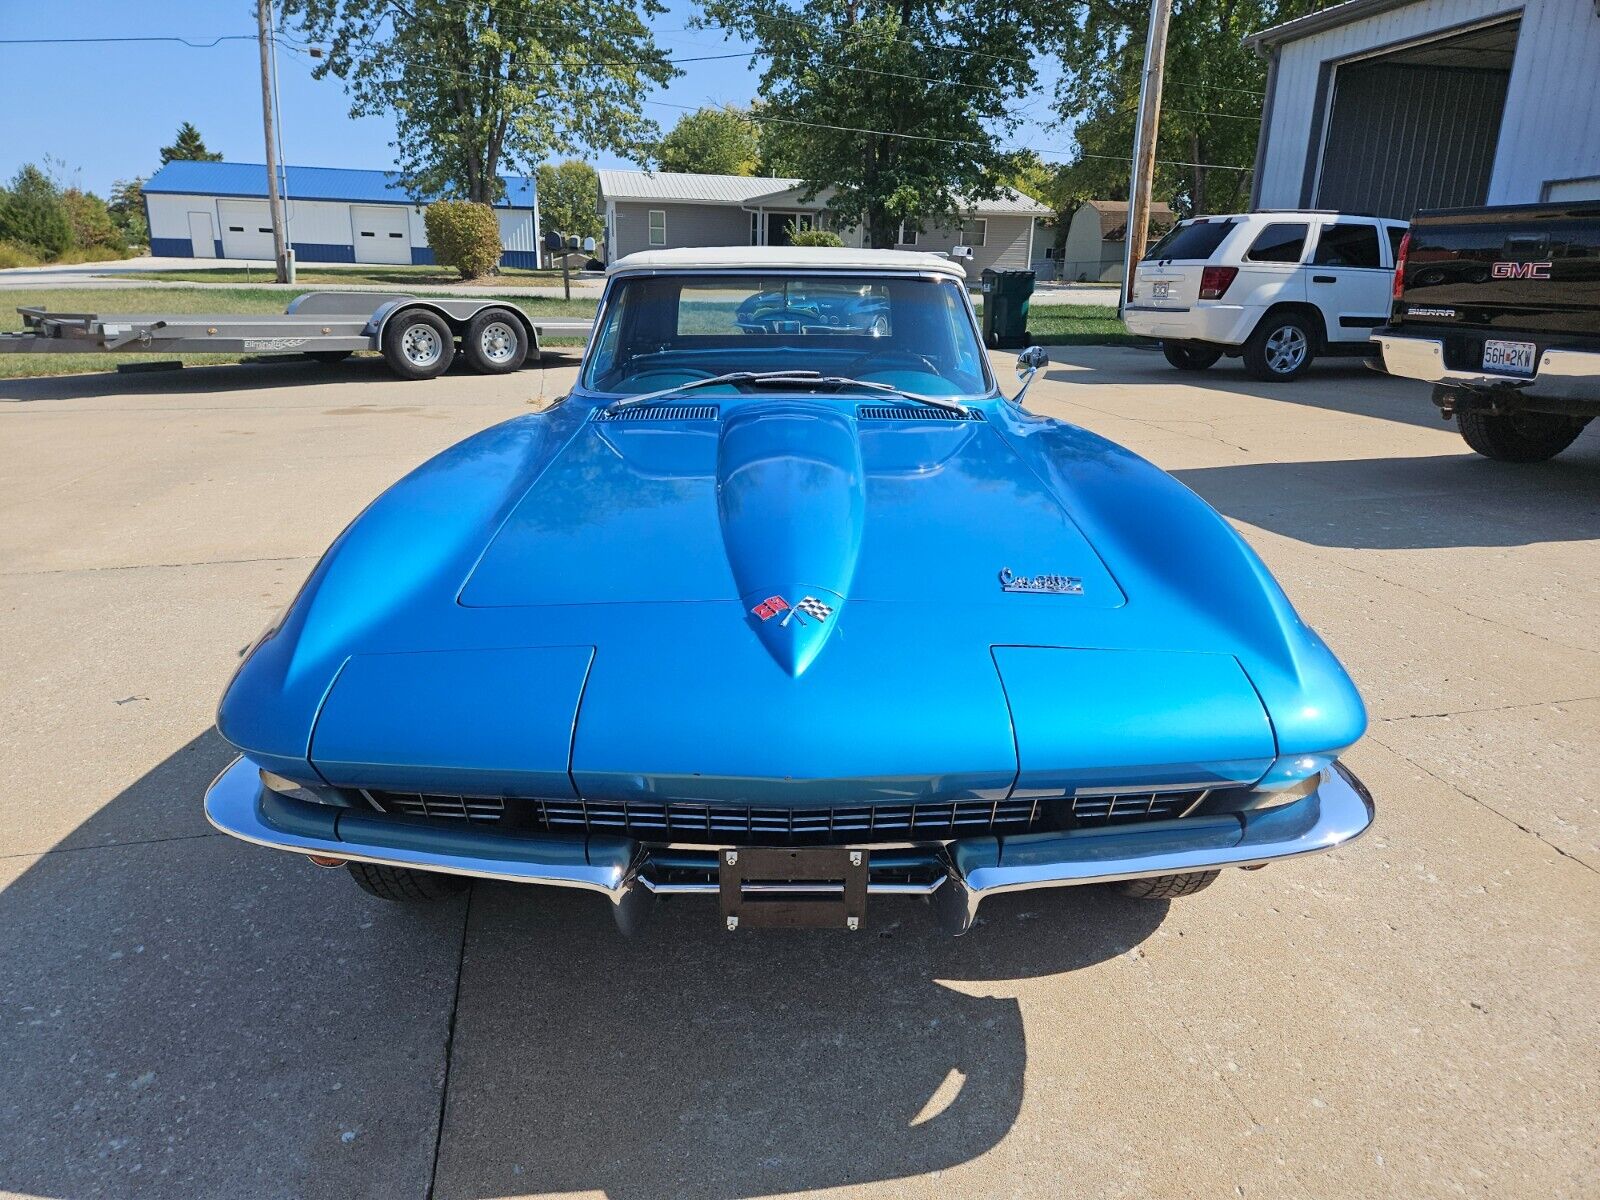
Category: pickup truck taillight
[1400,264]
[1215,280]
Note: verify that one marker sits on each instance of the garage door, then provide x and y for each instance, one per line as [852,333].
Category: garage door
[246,228]
[382,234]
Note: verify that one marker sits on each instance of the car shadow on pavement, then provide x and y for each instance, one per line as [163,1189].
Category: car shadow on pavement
[194,1017]
[1414,503]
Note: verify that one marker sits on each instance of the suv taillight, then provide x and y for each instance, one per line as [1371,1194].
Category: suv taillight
[1215,280]
[1400,264]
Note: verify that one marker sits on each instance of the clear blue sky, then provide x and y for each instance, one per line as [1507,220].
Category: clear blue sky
[106,109]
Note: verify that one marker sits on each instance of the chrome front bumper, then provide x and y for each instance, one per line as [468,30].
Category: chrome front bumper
[1562,374]
[1339,810]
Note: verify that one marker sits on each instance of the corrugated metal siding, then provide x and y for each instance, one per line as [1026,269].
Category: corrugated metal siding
[1294,110]
[1551,128]
[308,183]
[1402,138]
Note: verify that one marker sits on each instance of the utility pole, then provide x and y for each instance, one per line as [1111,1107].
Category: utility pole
[1144,146]
[274,197]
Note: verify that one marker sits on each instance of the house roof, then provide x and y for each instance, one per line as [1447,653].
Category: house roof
[815,258]
[1327,18]
[1113,216]
[306,183]
[674,187]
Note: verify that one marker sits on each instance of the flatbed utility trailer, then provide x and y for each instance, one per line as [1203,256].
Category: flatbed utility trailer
[418,337]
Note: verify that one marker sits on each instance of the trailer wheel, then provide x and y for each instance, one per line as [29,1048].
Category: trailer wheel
[418,344]
[496,343]
[331,358]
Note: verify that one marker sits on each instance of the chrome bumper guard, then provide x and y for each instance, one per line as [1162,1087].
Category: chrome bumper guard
[1562,374]
[1338,811]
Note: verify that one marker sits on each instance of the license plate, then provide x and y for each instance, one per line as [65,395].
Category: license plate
[1508,356]
[1160,290]
[817,887]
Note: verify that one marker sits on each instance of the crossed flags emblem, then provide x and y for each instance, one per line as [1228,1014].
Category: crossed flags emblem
[810,606]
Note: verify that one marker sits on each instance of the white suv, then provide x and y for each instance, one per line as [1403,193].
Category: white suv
[1276,288]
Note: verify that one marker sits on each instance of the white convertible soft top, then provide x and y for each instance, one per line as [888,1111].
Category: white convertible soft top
[787,258]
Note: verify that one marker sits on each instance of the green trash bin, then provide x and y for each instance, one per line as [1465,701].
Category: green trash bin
[1005,308]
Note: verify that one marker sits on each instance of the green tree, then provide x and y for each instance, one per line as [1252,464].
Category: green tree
[902,107]
[569,198]
[32,214]
[477,87]
[188,146]
[464,235]
[1210,105]
[127,211]
[90,221]
[711,141]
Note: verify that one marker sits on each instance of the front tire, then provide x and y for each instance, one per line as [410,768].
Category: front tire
[1168,887]
[1523,437]
[1281,348]
[418,344]
[403,885]
[496,343]
[1190,356]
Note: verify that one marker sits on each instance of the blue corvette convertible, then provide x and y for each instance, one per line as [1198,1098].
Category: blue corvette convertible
[791,611]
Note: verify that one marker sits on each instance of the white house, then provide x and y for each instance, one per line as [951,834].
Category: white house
[220,210]
[1391,106]
[646,210]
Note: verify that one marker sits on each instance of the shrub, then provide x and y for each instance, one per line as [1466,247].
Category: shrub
[31,213]
[127,211]
[13,255]
[814,237]
[463,235]
[90,220]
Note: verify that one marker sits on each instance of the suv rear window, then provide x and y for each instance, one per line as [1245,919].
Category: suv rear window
[1348,244]
[1194,240]
[1280,243]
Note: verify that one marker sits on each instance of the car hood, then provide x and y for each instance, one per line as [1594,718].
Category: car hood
[779,505]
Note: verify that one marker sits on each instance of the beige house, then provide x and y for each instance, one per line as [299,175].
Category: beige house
[656,210]
[1092,251]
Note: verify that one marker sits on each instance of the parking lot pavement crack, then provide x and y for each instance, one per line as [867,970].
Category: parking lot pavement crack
[1464,712]
[164,566]
[1484,804]
[449,1048]
[182,837]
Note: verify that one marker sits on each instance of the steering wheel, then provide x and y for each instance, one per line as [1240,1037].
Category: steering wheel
[881,357]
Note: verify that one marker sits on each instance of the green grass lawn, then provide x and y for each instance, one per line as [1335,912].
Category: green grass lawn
[383,276]
[1078,325]
[185,300]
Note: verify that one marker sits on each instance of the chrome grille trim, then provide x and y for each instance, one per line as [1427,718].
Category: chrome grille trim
[683,820]
[1104,807]
[436,805]
[660,412]
[914,412]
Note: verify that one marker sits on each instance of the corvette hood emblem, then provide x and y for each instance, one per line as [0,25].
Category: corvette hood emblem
[1063,585]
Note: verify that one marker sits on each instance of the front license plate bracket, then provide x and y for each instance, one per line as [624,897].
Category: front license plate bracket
[802,887]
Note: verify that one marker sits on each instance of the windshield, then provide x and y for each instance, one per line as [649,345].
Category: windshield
[910,333]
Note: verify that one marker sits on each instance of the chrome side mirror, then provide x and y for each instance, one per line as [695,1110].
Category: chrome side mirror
[1029,363]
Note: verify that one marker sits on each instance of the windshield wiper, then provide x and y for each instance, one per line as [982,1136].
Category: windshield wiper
[808,378]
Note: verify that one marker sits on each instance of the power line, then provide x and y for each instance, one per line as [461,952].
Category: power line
[195,45]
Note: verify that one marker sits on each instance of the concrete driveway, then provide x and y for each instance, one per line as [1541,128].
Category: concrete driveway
[1417,1014]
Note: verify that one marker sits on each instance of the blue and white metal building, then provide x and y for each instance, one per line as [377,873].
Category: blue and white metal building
[219,210]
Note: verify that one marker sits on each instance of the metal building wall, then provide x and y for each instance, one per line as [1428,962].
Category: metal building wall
[1551,126]
[1404,137]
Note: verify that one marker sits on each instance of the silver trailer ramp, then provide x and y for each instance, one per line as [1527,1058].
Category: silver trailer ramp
[419,338]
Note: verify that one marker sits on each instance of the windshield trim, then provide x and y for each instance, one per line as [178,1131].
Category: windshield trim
[607,298]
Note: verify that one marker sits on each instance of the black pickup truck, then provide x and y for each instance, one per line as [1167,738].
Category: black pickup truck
[1499,309]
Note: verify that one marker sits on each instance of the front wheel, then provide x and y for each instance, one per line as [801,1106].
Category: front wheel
[496,343]
[418,344]
[1522,437]
[1168,887]
[1281,348]
[403,884]
[1190,356]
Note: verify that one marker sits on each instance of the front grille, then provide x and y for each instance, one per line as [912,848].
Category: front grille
[676,820]
[1135,806]
[743,824]
[659,412]
[447,808]
[914,412]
